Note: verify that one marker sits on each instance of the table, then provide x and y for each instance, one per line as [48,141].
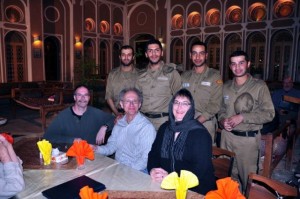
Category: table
[116,177]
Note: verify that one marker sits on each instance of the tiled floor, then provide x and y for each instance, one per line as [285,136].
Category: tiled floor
[28,122]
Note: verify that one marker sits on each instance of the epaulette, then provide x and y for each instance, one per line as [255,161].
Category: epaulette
[168,68]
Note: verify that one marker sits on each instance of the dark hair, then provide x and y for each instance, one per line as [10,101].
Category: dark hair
[199,43]
[79,86]
[239,53]
[153,41]
[133,89]
[126,47]
[184,93]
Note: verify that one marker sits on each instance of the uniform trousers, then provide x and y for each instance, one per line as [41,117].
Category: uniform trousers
[157,122]
[211,126]
[246,150]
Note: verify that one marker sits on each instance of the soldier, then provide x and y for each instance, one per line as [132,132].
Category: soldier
[158,83]
[246,106]
[205,84]
[121,77]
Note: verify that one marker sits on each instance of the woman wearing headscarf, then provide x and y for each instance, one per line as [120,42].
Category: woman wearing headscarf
[183,143]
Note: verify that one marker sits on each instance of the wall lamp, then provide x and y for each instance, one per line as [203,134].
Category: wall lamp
[78,47]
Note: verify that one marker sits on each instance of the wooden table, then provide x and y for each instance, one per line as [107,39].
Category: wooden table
[120,180]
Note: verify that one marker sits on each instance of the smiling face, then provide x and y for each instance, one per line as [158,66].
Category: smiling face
[81,97]
[180,107]
[198,55]
[126,57]
[239,65]
[130,103]
[154,53]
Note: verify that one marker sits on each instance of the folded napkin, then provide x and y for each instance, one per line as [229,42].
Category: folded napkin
[81,148]
[88,193]
[45,148]
[9,138]
[227,189]
[181,184]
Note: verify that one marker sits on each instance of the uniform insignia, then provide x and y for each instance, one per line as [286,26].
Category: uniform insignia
[162,78]
[206,83]
[185,85]
[219,81]
[226,97]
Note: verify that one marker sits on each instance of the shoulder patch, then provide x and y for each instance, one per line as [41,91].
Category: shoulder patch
[219,81]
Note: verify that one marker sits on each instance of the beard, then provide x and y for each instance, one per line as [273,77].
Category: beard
[201,64]
[126,64]
[154,63]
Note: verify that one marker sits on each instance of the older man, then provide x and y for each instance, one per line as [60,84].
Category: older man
[133,135]
[80,121]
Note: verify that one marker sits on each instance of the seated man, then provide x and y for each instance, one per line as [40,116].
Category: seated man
[80,121]
[11,171]
[132,135]
[286,110]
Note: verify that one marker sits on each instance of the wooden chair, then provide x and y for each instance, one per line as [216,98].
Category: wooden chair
[223,162]
[261,187]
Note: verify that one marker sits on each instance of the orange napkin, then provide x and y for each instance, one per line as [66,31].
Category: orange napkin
[227,189]
[8,137]
[88,193]
[82,149]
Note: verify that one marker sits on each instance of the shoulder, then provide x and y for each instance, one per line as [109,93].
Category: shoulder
[187,73]
[169,68]
[258,82]
[200,134]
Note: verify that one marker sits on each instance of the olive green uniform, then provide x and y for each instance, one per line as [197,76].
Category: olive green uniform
[206,89]
[158,87]
[253,101]
[118,80]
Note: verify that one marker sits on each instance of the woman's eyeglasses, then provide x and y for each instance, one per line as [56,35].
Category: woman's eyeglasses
[182,104]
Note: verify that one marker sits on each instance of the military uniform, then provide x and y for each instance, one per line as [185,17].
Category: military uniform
[158,87]
[206,89]
[118,80]
[253,101]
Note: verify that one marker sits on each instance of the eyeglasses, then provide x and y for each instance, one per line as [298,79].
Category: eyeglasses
[182,104]
[82,95]
[133,102]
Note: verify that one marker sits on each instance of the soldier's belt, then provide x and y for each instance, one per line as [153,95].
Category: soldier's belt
[156,115]
[245,133]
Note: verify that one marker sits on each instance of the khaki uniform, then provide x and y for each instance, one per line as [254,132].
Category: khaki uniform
[206,89]
[118,80]
[253,101]
[158,87]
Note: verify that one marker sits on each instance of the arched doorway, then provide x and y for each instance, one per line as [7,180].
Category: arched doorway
[256,50]
[16,70]
[177,51]
[104,59]
[281,55]
[89,50]
[116,53]
[214,52]
[232,43]
[139,43]
[52,59]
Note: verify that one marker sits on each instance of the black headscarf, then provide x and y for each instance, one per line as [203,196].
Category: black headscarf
[187,124]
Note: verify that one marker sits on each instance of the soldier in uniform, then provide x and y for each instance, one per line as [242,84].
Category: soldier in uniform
[205,84]
[246,106]
[123,76]
[158,83]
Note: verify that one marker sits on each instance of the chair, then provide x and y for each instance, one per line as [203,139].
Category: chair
[261,187]
[223,162]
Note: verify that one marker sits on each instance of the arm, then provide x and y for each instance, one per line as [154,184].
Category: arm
[146,138]
[175,83]
[111,145]
[11,176]
[215,101]
[265,109]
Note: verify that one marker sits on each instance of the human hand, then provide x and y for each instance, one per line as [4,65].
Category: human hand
[4,154]
[94,147]
[4,141]
[158,174]
[224,123]
[235,120]
[101,135]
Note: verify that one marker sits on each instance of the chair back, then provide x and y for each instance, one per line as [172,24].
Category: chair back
[223,162]
[262,187]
